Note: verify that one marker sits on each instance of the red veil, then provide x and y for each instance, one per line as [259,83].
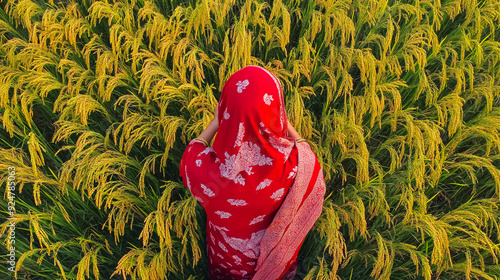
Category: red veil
[261,190]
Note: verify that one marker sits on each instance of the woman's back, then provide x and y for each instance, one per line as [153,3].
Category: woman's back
[243,179]
[237,215]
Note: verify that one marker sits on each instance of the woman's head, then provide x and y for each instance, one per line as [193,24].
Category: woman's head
[253,95]
[252,126]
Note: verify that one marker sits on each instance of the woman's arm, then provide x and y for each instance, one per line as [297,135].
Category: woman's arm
[292,132]
[211,129]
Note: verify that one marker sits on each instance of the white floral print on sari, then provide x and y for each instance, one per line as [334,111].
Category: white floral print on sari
[264,184]
[268,98]
[223,247]
[282,145]
[242,85]
[248,155]
[249,247]
[237,260]
[278,194]
[206,151]
[187,178]
[207,191]
[237,202]
[241,134]
[257,219]
[292,173]
[223,215]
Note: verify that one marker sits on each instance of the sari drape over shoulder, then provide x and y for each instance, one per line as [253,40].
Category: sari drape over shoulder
[261,190]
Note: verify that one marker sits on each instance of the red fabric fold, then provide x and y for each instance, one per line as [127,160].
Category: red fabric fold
[296,216]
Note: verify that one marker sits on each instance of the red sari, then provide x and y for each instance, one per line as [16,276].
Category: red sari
[261,190]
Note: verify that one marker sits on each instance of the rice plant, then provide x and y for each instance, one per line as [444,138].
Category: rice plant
[400,99]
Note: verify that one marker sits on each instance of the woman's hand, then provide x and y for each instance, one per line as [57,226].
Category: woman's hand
[216,115]
[212,127]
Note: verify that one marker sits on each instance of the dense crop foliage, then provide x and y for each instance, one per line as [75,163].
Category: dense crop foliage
[400,98]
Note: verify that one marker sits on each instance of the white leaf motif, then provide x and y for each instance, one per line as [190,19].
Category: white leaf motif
[207,191]
[223,215]
[237,202]
[278,194]
[223,247]
[249,171]
[292,173]
[264,184]
[239,180]
[257,219]
[241,134]
[237,260]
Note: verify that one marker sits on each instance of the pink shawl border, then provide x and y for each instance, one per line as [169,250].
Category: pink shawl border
[293,220]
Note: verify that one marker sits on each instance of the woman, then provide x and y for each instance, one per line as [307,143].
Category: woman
[260,184]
